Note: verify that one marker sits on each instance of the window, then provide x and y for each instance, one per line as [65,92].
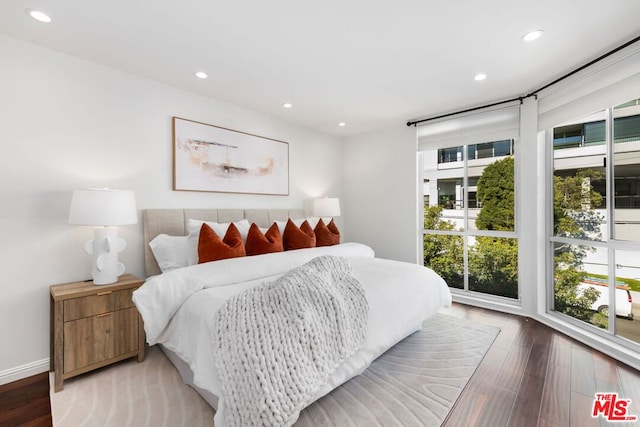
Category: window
[626,129]
[502,148]
[484,151]
[449,155]
[469,234]
[595,241]
[468,176]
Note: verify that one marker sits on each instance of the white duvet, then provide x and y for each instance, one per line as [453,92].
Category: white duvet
[178,307]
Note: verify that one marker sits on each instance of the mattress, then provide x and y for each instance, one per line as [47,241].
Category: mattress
[187,376]
[177,308]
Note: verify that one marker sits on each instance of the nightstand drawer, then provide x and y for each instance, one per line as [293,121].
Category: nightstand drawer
[102,302]
[92,340]
[93,326]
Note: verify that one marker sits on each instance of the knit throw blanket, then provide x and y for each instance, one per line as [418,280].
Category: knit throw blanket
[276,344]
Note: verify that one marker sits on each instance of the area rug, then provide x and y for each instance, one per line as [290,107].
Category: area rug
[416,383]
[130,394]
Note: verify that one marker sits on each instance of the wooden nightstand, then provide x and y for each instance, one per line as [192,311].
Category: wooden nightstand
[93,326]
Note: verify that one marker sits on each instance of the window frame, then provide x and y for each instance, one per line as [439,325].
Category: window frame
[466,233]
[611,244]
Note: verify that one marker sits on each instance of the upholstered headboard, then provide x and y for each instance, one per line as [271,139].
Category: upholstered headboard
[174,223]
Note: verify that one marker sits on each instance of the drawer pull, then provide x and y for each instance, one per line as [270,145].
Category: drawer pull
[104,315]
[103,293]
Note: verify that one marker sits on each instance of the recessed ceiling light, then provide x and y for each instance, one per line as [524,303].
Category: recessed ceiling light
[201,75]
[287,105]
[342,124]
[38,15]
[532,35]
[480,77]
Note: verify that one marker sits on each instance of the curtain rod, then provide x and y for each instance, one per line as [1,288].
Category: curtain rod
[535,92]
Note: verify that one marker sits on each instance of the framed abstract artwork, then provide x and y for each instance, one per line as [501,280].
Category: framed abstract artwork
[213,158]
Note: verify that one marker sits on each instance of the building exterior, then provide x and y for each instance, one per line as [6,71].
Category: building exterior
[576,146]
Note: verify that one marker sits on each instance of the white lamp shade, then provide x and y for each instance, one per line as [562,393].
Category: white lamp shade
[102,206]
[327,207]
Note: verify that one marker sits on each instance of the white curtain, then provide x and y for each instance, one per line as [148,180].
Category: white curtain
[486,125]
[609,82]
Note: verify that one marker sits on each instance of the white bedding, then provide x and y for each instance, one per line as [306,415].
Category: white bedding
[178,307]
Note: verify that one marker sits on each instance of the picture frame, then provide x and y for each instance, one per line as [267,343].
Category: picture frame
[216,159]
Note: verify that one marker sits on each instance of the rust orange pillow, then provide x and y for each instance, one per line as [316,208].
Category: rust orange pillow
[212,248]
[259,243]
[327,235]
[295,237]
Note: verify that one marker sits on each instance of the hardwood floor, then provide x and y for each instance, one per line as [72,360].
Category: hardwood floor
[531,376]
[535,376]
[26,402]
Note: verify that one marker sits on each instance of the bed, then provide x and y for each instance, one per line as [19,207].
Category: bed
[179,306]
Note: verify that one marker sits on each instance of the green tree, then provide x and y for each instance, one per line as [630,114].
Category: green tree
[496,193]
[443,252]
[567,297]
[493,262]
[574,215]
[574,202]
[493,266]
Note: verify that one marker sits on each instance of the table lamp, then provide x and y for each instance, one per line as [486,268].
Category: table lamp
[328,207]
[105,209]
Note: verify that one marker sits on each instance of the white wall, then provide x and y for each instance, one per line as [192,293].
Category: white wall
[67,123]
[381,192]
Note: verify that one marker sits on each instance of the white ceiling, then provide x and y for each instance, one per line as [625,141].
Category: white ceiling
[372,64]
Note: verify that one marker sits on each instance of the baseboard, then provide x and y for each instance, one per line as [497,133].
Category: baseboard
[24,371]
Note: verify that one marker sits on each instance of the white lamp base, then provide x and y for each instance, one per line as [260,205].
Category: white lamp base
[105,247]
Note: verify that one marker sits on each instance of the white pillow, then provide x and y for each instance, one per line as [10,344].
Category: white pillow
[170,251]
[193,234]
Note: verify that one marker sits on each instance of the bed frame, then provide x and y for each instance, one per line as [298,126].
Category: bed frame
[174,223]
